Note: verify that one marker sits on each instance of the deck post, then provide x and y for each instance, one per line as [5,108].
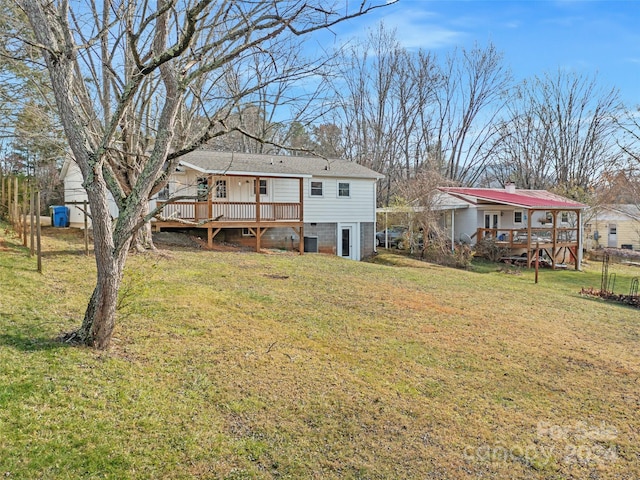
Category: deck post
[209,204]
[257,194]
[301,217]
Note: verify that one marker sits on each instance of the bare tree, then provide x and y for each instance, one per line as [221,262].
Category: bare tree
[384,94]
[406,112]
[560,133]
[470,97]
[30,131]
[628,176]
[167,58]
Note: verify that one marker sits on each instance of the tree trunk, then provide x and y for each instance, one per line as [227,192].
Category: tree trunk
[99,319]
[143,239]
[111,248]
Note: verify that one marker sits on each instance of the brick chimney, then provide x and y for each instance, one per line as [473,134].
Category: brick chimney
[510,187]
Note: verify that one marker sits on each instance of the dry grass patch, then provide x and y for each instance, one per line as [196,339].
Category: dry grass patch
[240,365]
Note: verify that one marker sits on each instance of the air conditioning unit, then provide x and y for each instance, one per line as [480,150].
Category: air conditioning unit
[311,244]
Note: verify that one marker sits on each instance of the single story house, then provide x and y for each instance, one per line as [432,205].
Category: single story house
[518,220]
[308,204]
[613,226]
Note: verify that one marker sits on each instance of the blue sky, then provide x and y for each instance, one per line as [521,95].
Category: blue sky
[536,37]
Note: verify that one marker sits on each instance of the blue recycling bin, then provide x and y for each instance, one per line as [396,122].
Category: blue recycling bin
[59,216]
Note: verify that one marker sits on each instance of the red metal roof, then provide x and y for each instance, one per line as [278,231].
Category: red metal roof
[519,198]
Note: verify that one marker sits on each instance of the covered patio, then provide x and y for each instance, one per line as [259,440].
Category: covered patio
[531,224]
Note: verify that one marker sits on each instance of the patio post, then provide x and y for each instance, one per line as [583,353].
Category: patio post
[580,234]
[554,215]
[529,257]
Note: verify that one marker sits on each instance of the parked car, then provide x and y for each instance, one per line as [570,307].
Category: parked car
[394,235]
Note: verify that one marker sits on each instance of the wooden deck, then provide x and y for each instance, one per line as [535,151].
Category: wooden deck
[214,216]
[552,241]
[230,212]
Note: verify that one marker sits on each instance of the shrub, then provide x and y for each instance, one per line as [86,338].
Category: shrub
[441,253]
[490,249]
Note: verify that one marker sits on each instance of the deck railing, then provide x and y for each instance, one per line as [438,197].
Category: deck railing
[231,211]
[520,237]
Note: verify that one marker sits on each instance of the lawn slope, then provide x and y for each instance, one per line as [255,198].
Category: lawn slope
[243,365]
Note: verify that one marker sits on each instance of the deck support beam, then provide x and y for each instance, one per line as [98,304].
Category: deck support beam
[211,234]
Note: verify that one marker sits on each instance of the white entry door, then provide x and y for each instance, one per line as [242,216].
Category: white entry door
[613,236]
[347,245]
[492,220]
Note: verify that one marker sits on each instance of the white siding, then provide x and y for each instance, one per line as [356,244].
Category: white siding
[465,223]
[239,189]
[358,207]
[285,190]
[75,192]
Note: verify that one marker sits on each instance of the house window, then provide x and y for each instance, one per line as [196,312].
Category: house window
[517,216]
[221,189]
[316,189]
[246,232]
[564,217]
[263,187]
[203,188]
[344,189]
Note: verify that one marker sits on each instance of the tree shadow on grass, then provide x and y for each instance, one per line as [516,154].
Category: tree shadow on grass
[30,343]
[63,253]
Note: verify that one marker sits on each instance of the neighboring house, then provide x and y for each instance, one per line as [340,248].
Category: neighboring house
[75,195]
[518,220]
[267,201]
[613,226]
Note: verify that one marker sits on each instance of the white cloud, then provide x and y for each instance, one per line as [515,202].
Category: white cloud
[420,29]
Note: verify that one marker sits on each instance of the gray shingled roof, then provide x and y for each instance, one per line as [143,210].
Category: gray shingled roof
[209,161]
[628,209]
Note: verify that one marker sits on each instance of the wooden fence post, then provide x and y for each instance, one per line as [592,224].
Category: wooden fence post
[2,195]
[16,213]
[9,207]
[24,220]
[31,225]
[38,232]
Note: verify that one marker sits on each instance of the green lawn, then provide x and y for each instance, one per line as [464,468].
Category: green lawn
[243,365]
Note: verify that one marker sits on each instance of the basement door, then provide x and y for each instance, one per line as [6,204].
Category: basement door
[346,241]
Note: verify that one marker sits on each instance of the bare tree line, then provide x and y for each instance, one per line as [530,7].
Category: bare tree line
[464,119]
[399,112]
